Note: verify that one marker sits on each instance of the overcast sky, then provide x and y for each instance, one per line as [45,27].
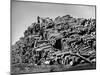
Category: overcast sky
[25,13]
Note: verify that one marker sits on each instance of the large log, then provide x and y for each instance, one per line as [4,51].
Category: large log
[86,59]
[73,54]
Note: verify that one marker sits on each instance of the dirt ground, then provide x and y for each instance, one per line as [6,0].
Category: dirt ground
[49,68]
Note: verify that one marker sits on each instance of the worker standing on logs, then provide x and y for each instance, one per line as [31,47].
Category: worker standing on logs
[38,19]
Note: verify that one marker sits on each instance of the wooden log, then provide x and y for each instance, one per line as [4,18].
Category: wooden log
[83,58]
[74,54]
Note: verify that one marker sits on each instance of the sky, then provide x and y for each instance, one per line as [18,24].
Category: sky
[23,14]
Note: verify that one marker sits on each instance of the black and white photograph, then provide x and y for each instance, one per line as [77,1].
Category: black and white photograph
[52,37]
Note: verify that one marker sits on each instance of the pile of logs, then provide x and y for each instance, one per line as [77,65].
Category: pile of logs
[65,40]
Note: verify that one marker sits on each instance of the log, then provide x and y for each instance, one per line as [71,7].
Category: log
[76,54]
[83,58]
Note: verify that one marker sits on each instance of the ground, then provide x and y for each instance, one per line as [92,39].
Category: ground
[50,68]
